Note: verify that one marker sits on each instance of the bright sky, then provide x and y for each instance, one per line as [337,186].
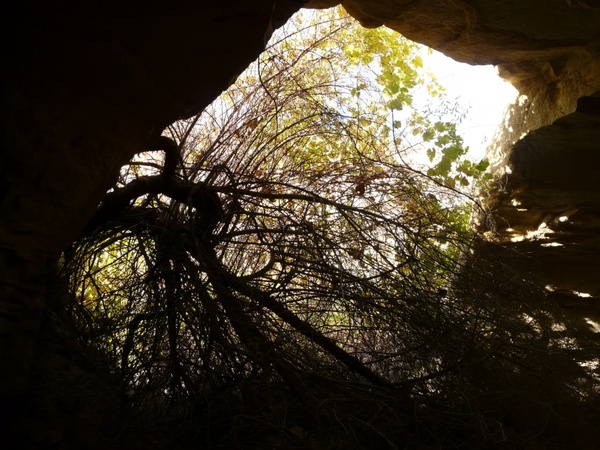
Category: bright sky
[478,88]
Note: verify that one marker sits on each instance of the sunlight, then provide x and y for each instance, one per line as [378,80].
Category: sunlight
[477,88]
[595,326]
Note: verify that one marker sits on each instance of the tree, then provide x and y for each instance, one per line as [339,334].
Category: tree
[290,242]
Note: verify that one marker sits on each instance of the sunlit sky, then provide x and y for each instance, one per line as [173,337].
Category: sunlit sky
[478,88]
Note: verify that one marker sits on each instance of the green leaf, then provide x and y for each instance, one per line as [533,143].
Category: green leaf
[428,135]
[395,104]
[431,154]
[453,152]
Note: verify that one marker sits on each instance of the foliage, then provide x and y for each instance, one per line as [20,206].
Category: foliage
[298,244]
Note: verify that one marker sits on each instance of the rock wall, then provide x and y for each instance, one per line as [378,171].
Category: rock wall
[548,205]
[86,84]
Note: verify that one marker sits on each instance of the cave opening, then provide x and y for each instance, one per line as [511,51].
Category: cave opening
[292,275]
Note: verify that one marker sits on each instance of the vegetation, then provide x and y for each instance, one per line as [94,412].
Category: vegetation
[288,273]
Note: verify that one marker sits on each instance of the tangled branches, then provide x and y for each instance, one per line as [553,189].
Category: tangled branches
[284,260]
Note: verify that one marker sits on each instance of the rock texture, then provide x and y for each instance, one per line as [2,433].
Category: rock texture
[549,205]
[86,84]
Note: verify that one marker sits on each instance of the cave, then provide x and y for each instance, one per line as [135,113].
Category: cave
[87,85]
